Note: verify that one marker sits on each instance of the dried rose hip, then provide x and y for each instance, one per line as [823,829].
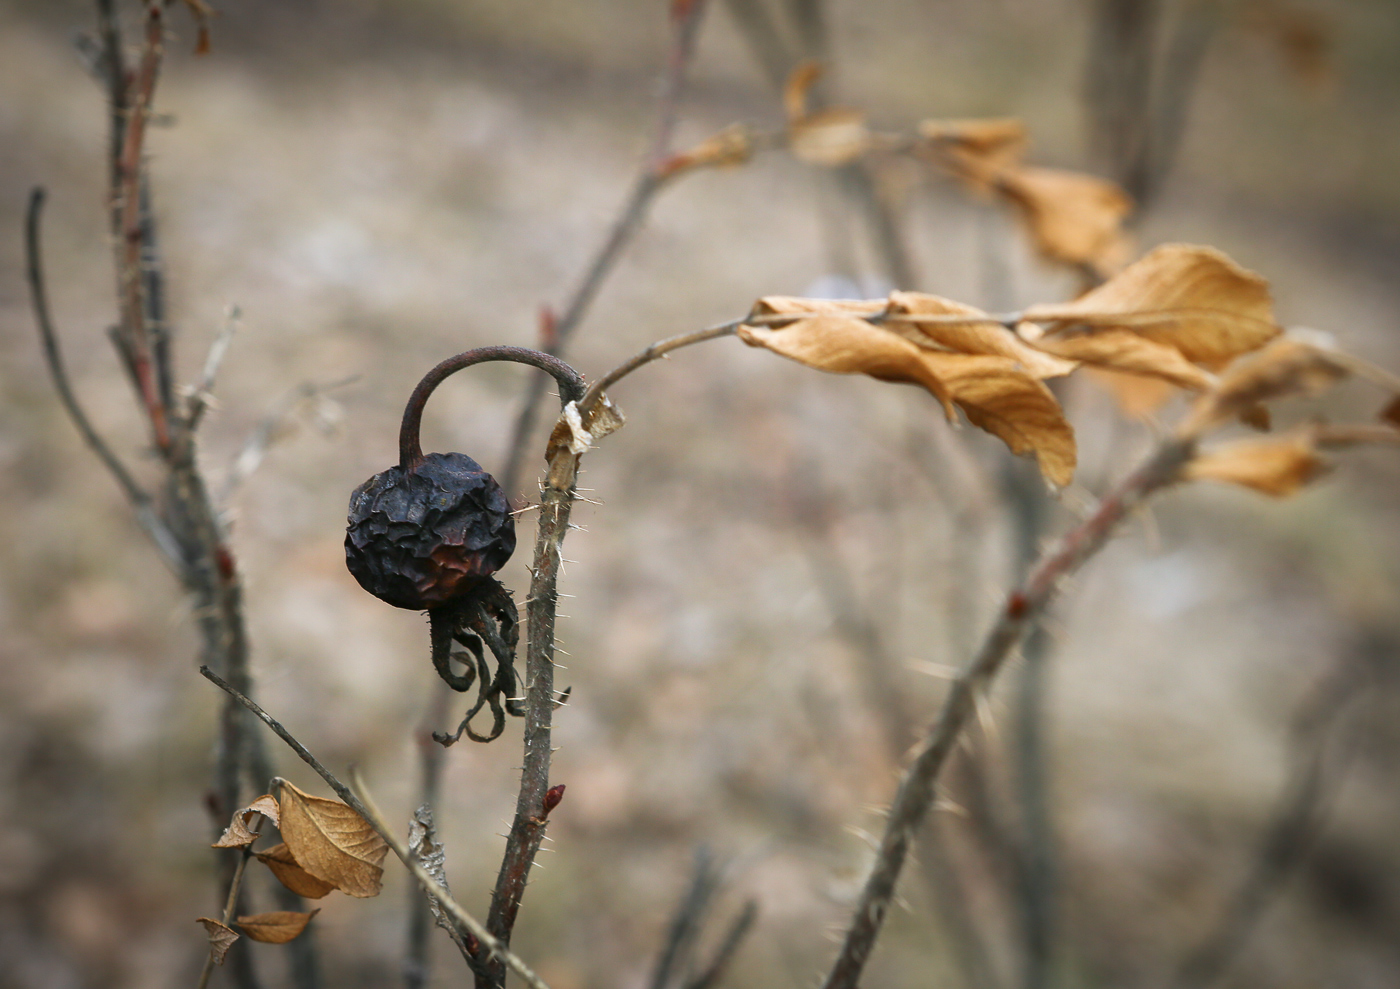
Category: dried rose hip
[428,534]
[422,537]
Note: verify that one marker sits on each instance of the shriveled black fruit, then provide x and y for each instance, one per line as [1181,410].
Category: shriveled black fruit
[423,537]
[429,533]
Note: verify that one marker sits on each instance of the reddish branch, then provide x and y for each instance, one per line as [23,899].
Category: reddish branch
[126,204]
[1022,610]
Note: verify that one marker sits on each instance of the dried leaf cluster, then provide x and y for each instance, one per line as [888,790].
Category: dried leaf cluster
[1185,315]
[326,845]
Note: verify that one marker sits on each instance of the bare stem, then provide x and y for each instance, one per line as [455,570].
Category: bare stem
[364,806]
[1022,609]
[657,350]
[649,181]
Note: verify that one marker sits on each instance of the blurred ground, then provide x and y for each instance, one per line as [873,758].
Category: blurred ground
[380,185]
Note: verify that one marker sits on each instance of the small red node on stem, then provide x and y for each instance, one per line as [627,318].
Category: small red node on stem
[1016,605]
[552,796]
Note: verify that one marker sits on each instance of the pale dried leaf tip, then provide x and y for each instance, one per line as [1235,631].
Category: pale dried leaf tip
[430,853]
[238,834]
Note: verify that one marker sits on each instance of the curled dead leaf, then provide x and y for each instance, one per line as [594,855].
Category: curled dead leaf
[999,396]
[976,150]
[1285,368]
[221,938]
[845,344]
[277,927]
[332,842]
[1073,218]
[731,147]
[1276,466]
[1192,298]
[279,859]
[979,334]
[832,137]
[238,834]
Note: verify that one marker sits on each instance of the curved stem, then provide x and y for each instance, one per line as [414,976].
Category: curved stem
[411,453]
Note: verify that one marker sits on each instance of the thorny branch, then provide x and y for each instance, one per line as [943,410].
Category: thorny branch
[358,798]
[231,902]
[685,19]
[1022,609]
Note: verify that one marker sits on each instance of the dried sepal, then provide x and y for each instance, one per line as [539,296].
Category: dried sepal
[221,938]
[332,842]
[1276,466]
[979,334]
[276,927]
[279,860]
[1192,298]
[237,834]
[1073,218]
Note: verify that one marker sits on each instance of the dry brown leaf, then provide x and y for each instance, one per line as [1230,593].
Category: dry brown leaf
[795,91]
[832,137]
[988,338]
[277,927]
[237,834]
[1276,466]
[730,147]
[279,859]
[1000,397]
[221,938]
[1184,296]
[1123,351]
[1285,368]
[1073,218]
[788,305]
[844,344]
[332,842]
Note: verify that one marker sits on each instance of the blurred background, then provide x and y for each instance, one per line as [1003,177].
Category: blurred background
[1193,779]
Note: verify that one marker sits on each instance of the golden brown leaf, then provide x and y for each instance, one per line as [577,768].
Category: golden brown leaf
[787,305]
[1073,218]
[844,344]
[976,151]
[332,842]
[277,927]
[1276,466]
[999,396]
[832,137]
[221,938]
[1192,298]
[279,859]
[988,338]
[1124,351]
[237,834]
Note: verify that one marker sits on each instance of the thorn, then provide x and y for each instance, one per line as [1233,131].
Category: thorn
[938,670]
[943,803]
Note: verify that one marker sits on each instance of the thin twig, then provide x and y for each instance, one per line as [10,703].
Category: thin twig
[688,919]
[363,805]
[203,393]
[649,181]
[654,352]
[231,903]
[1292,831]
[1022,608]
[140,500]
[264,435]
[729,946]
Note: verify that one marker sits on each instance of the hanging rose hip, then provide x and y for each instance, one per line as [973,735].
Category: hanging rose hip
[428,533]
